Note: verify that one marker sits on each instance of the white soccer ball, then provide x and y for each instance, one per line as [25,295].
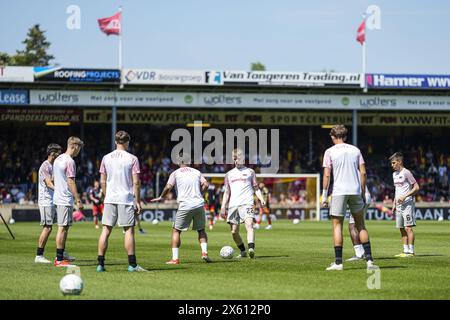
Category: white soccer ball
[155,221]
[227,252]
[12,221]
[256,226]
[296,221]
[71,284]
[441,218]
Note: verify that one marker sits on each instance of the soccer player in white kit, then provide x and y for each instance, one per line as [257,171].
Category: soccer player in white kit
[240,186]
[406,187]
[349,186]
[119,179]
[45,199]
[64,171]
[190,186]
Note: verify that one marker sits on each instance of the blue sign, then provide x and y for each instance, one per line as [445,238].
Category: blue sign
[57,74]
[408,81]
[13,97]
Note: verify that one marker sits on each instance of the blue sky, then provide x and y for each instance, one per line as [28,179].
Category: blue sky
[285,35]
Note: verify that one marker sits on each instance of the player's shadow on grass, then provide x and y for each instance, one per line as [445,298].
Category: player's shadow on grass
[87,263]
[428,255]
[381,268]
[165,269]
[271,257]
[409,258]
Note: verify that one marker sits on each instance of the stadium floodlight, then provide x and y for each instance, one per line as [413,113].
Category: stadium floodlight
[304,186]
[7,227]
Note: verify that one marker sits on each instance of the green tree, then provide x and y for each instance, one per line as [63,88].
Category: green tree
[35,52]
[5,59]
[257,66]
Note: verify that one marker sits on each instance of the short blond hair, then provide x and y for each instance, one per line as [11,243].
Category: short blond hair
[339,131]
[75,140]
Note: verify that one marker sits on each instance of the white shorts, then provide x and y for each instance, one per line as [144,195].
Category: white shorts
[64,214]
[338,205]
[48,215]
[238,215]
[184,218]
[118,213]
[405,215]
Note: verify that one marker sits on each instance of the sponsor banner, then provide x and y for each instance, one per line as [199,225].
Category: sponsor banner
[30,215]
[59,74]
[238,100]
[165,77]
[422,213]
[16,74]
[40,115]
[13,97]
[408,81]
[258,118]
[280,78]
[107,98]
[148,215]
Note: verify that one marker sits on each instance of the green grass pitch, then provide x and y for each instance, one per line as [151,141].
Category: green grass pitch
[290,264]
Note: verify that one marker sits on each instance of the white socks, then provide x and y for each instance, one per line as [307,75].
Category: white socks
[359,250]
[175,253]
[204,246]
[408,248]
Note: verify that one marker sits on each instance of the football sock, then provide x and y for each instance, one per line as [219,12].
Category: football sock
[204,246]
[338,254]
[359,250]
[132,260]
[40,251]
[411,248]
[175,253]
[368,251]
[101,260]
[59,254]
[405,248]
[251,245]
[241,247]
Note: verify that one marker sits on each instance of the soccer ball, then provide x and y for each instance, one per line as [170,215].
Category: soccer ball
[227,252]
[155,221]
[12,221]
[71,284]
[441,218]
[256,226]
[296,221]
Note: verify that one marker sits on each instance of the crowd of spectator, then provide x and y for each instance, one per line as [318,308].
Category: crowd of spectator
[22,154]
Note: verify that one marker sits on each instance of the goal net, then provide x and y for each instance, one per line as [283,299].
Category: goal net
[292,196]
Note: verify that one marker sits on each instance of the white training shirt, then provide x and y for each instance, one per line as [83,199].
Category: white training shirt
[63,168]
[240,183]
[344,159]
[187,182]
[403,182]
[45,194]
[119,167]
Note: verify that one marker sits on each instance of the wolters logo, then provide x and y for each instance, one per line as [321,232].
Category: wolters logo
[188,99]
[345,101]
[222,99]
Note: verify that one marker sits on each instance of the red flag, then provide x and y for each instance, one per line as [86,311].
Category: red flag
[111,25]
[361,33]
